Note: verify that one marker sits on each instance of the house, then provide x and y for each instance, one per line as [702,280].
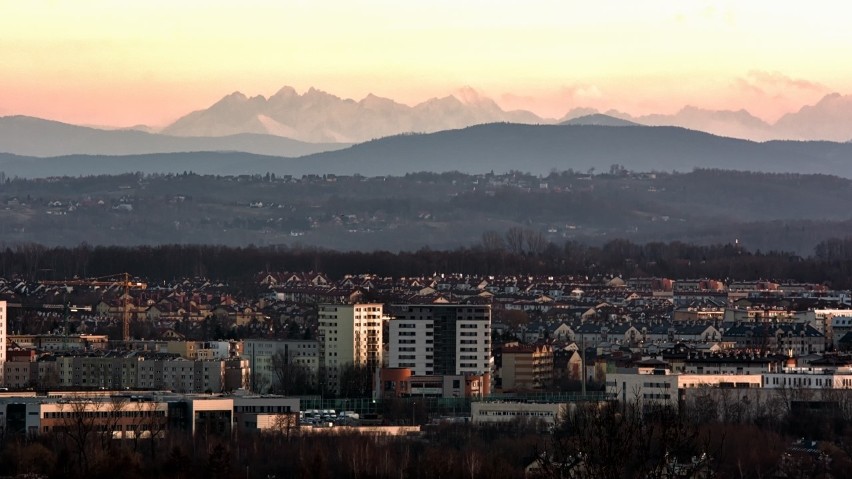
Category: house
[562,332]
[695,332]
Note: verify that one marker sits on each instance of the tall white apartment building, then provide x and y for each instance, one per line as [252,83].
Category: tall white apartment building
[448,339]
[349,334]
[3,326]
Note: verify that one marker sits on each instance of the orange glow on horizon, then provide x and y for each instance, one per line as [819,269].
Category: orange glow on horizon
[125,63]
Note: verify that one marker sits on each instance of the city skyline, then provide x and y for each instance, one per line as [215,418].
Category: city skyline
[100,63]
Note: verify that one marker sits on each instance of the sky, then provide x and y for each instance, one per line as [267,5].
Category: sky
[122,63]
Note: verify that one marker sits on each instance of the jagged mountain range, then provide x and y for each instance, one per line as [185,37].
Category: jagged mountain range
[290,124]
[830,119]
[317,116]
[320,116]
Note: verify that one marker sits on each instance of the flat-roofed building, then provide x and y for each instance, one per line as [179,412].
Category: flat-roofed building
[260,352]
[484,412]
[266,413]
[447,339]
[349,334]
[527,367]
[661,387]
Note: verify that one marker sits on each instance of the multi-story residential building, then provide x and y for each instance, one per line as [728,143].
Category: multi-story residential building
[446,339]
[527,367]
[349,334]
[182,375]
[135,370]
[61,342]
[260,353]
[19,374]
[111,371]
[3,316]
[790,339]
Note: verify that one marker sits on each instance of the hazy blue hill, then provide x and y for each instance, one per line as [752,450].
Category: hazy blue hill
[495,147]
[30,136]
[766,211]
[540,148]
[214,163]
[599,119]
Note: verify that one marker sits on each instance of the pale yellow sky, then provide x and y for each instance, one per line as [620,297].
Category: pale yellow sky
[129,62]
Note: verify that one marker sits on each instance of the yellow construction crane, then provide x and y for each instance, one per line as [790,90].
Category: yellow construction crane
[121,279]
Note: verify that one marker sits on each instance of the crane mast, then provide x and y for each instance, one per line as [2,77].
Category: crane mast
[122,280]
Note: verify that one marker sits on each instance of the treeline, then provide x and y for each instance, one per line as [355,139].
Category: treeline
[515,252]
[448,452]
[605,440]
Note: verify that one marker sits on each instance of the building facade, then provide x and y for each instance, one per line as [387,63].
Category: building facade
[349,335]
[3,327]
[447,339]
[401,383]
[485,412]
[527,367]
[260,353]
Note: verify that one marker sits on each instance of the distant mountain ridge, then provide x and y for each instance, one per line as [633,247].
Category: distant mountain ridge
[599,119]
[830,119]
[498,147]
[28,136]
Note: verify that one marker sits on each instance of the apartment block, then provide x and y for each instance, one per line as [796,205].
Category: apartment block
[527,367]
[259,352]
[3,332]
[444,339]
[349,334]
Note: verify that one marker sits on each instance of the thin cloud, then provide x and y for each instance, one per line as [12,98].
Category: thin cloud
[766,80]
[771,94]
[581,92]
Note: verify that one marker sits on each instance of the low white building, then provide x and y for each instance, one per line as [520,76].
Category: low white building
[484,412]
[272,413]
[662,387]
[809,378]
